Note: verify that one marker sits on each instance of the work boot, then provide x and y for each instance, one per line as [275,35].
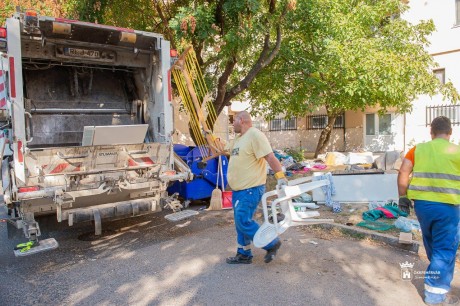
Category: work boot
[271,253]
[450,300]
[239,259]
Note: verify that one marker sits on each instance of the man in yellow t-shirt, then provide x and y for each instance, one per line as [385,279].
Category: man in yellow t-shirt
[247,175]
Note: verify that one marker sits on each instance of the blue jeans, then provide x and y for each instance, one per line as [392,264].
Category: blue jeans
[440,224]
[245,204]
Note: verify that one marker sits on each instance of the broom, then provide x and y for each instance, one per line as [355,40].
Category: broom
[216,196]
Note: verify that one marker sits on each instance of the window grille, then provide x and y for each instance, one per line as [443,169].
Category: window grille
[318,122]
[450,111]
[283,124]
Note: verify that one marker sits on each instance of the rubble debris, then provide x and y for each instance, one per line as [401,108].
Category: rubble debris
[391,160]
[405,238]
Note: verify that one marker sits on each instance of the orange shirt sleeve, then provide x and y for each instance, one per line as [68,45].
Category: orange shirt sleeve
[411,155]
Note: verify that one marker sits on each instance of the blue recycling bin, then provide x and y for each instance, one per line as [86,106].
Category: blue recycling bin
[204,181]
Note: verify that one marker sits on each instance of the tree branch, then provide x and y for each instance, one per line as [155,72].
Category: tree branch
[165,21]
[219,15]
[265,58]
[221,86]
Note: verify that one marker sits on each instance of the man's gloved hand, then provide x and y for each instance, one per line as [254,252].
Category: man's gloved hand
[282,182]
[405,204]
[281,179]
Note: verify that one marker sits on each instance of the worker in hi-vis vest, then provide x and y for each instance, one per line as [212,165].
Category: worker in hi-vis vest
[435,190]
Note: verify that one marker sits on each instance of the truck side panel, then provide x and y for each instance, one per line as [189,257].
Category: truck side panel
[16,96]
[163,126]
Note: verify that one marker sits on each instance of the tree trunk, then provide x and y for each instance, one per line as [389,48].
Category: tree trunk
[325,135]
[267,54]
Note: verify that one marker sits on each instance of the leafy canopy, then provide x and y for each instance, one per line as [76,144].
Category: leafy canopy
[348,55]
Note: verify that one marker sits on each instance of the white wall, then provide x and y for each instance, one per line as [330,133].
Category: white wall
[445,48]
[447,35]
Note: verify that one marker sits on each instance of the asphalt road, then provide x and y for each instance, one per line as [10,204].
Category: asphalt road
[151,261]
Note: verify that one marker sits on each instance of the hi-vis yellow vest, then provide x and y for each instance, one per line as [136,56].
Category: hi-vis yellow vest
[436,172]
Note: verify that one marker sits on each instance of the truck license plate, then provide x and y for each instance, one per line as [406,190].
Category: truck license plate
[82,53]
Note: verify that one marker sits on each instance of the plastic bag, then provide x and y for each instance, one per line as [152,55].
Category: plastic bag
[407,225]
[336,207]
[304,198]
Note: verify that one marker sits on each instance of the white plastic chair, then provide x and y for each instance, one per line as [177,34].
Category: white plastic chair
[268,230]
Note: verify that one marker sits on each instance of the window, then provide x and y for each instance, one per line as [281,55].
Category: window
[440,74]
[457,12]
[283,124]
[275,125]
[378,124]
[450,111]
[385,124]
[318,122]
[370,124]
[290,124]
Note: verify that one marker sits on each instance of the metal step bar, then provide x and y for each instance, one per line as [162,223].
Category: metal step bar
[79,111]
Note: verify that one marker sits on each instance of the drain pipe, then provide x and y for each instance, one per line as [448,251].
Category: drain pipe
[404,133]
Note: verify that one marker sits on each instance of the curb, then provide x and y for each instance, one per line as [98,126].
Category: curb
[387,239]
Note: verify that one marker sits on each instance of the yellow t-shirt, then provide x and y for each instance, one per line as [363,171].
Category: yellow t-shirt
[247,167]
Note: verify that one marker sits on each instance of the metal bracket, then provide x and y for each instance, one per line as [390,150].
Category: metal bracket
[59,200]
[30,226]
[135,207]
[97,222]
[158,43]
[173,203]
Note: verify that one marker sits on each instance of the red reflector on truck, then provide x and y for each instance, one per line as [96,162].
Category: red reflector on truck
[28,189]
[31,13]
[2,32]
[169,86]
[12,79]
[20,155]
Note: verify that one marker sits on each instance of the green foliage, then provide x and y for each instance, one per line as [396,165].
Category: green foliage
[348,55]
[6,10]
[44,7]
[232,39]
[297,154]
[229,36]
[88,10]
[195,24]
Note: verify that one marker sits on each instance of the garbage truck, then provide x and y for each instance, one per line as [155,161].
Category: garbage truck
[86,122]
